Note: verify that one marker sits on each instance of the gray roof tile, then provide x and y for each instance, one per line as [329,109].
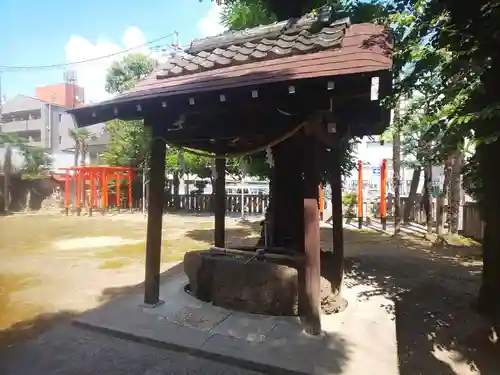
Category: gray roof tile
[257,44]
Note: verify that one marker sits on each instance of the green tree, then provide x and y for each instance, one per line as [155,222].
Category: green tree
[124,74]
[128,144]
[36,163]
[456,45]
[129,140]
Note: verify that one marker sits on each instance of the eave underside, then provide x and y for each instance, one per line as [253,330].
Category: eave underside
[242,123]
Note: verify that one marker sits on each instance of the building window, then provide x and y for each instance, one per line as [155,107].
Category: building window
[60,139]
[60,117]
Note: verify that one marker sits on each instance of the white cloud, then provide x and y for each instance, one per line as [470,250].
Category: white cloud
[92,75]
[211,24]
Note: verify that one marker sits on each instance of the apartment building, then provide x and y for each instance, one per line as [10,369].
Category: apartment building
[47,125]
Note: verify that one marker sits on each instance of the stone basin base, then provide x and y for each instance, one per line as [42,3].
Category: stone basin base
[259,287]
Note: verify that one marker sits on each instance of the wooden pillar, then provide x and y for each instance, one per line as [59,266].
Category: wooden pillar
[312,269]
[92,192]
[155,216]
[220,203]
[67,189]
[103,191]
[129,180]
[337,260]
[118,201]
[383,194]
[94,189]
[78,189]
[321,202]
[360,194]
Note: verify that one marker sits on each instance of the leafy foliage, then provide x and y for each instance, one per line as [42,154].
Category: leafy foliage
[129,140]
[124,74]
[128,143]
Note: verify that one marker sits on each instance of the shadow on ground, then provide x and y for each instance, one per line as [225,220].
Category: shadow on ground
[36,341]
[433,290]
[247,235]
[31,328]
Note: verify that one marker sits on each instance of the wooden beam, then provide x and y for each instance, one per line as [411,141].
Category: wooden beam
[155,215]
[220,202]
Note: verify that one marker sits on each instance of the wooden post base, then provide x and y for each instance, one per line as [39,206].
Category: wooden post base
[383,221]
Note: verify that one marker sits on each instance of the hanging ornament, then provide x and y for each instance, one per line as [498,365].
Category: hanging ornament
[243,166]
[182,163]
[269,157]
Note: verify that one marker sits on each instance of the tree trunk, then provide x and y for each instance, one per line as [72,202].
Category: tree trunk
[76,163]
[412,196]
[83,196]
[266,224]
[176,183]
[427,198]
[455,191]
[28,200]
[396,166]
[489,293]
[7,170]
[440,202]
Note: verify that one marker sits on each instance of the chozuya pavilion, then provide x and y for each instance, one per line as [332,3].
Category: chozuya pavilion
[296,89]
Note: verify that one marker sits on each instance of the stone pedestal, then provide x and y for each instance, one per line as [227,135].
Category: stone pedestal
[259,286]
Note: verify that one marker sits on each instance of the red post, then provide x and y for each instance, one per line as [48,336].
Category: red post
[95,176]
[117,179]
[66,192]
[129,177]
[360,194]
[104,191]
[78,190]
[91,197]
[383,194]
[321,202]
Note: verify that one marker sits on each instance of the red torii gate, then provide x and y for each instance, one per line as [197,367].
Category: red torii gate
[96,175]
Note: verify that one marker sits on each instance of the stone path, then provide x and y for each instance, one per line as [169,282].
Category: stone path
[69,350]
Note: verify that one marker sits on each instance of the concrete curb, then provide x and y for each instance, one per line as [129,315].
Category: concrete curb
[229,360]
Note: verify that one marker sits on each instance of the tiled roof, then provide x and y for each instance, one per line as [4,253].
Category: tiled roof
[258,44]
[250,58]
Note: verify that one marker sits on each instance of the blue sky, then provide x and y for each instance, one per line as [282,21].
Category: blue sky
[36,32]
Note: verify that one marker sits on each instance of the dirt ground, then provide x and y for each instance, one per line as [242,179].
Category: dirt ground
[51,264]
[433,289]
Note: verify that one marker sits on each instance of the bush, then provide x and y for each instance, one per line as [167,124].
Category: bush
[349,199]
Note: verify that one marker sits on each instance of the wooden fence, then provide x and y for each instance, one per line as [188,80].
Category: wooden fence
[470,224]
[252,204]
[473,226]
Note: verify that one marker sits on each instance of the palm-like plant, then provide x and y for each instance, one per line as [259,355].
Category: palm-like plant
[9,141]
[80,137]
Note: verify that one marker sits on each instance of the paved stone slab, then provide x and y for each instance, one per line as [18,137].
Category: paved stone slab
[253,328]
[181,308]
[358,341]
